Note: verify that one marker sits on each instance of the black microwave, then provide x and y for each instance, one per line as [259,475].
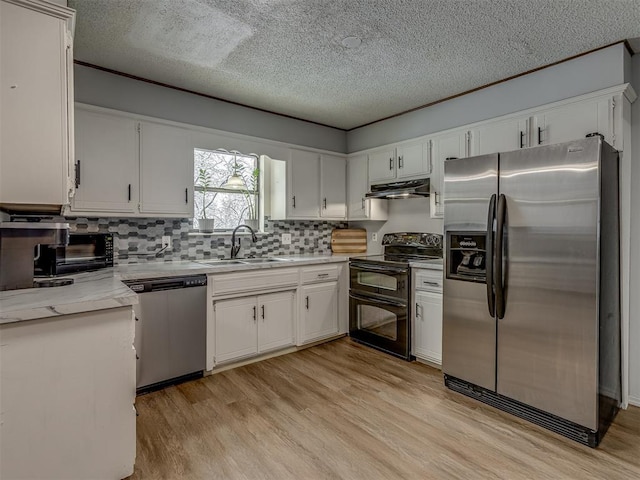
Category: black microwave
[85,252]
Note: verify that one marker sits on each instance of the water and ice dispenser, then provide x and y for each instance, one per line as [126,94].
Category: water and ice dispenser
[467,256]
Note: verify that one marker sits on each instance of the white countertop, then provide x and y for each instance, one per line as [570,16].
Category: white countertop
[104,289]
[433,264]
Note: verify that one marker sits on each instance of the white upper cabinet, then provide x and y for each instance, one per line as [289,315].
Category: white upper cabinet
[304,186]
[407,160]
[106,163]
[413,160]
[574,121]
[501,136]
[382,165]
[333,187]
[450,145]
[315,186]
[359,207]
[36,95]
[166,170]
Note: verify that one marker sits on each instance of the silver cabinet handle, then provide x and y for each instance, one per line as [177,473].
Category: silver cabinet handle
[294,201]
[435,198]
[400,162]
[254,314]
[186,195]
[263,312]
[417,310]
[324,203]
[539,135]
[390,163]
[320,275]
[129,192]
[363,203]
[307,301]
[435,284]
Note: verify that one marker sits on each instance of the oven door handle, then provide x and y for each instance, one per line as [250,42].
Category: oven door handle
[377,300]
[371,268]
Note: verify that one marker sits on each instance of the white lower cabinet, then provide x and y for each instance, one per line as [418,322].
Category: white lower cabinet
[68,393]
[426,321]
[275,320]
[318,311]
[249,325]
[427,332]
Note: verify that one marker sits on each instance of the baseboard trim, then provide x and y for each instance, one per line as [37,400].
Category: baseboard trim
[635,401]
[276,353]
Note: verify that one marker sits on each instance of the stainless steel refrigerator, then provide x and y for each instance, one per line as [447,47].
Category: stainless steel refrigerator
[531,309]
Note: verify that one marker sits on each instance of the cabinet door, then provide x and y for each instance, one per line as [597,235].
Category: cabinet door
[33,114]
[319,311]
[275,320]
[573,122]
[333,187]
[236,328]
[453,145]
[107,159]
[382,166]
[166,170]
[357,187]
[502,136]
[304,168]
[427,332]
[412,160]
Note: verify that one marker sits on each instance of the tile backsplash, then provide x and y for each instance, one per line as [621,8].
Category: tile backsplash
[137,239]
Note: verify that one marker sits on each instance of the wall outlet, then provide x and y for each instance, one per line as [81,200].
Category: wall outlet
[166,240]
[374,237]
[286,239]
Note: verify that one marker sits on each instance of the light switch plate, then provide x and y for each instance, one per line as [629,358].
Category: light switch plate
[374,237]
[286,239]
[166,240]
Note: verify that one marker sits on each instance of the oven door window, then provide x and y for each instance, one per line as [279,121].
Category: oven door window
[377,321]
[380,322]
[377,280]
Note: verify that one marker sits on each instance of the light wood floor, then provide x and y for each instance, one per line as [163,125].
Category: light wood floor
[344,411]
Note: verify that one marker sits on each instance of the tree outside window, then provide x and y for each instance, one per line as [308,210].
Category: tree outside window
[228,207]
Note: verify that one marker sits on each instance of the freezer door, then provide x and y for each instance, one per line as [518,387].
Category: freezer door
[548,338]
[469,329]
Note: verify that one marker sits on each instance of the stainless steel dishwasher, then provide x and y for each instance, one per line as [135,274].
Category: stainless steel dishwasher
[170,340]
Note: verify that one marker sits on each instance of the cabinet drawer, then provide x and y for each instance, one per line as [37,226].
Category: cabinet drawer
[320,274]
[231,283]
[429,280]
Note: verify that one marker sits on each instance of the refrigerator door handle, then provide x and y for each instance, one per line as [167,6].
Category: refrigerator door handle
[499,252]
[489,255]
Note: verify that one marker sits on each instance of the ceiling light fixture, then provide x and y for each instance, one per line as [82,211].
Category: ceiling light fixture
[235,181]
[351,42]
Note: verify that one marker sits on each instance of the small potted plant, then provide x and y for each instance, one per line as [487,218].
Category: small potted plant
[251,211]
[203,180]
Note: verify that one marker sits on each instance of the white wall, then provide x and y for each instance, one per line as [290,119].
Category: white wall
[598,70]
[634,281]
[96,87]
[405,215]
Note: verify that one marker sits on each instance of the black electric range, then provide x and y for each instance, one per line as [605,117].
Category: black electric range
[380,291]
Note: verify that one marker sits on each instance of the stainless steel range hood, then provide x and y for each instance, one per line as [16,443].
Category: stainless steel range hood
[396,190]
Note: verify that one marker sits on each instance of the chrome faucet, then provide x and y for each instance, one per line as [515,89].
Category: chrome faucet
[236,248]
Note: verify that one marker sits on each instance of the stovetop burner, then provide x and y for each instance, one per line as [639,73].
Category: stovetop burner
[402,248]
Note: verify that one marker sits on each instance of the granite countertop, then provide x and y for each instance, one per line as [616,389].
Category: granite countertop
[104,289]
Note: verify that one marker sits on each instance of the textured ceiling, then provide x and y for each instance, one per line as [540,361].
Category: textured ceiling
[286,56]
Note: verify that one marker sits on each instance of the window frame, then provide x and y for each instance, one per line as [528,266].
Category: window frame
[258,192]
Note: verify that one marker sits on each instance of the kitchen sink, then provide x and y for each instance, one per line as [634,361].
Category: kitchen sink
[261,260]
[220,262]
[241,261]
